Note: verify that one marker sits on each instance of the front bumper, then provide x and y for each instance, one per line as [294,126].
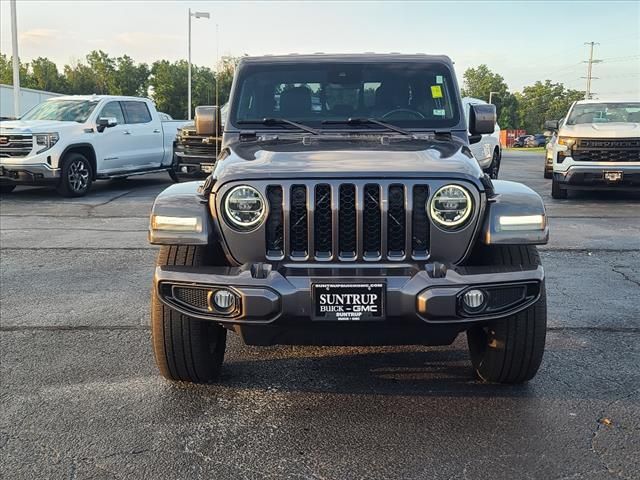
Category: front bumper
[28,174]
[592,177]
[194,165]
[421,306]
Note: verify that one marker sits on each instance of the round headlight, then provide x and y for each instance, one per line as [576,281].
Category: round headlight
[244,207]
[451,206]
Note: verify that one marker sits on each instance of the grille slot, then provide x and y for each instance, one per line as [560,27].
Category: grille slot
[323,225]
[420,222]
[371,222]
[298,221]
[347,238]
[396,222]
[275,227]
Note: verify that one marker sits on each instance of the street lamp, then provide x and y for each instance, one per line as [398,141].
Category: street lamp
[491,96]
[197,15]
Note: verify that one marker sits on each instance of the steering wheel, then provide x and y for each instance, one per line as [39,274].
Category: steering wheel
[415,113]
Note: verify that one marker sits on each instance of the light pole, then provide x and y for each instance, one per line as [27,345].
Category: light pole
[16,60]
[197,15]
[491,96]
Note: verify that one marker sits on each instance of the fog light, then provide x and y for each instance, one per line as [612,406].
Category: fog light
[473,299]
[224,299]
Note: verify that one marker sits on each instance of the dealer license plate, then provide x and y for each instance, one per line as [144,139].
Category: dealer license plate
[348,301]
[613,176]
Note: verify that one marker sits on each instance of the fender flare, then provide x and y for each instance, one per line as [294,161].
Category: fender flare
[525,211]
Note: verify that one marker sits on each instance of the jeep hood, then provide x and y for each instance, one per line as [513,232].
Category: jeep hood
[35,126]
[448,159]
[601,130]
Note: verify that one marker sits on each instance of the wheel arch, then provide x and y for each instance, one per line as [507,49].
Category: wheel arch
[85,149]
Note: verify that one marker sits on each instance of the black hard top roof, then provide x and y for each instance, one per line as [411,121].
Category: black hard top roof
[348,57]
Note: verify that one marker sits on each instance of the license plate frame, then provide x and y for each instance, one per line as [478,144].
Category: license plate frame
[342,305]
[613,176]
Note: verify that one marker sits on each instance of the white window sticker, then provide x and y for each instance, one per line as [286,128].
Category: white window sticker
[439,79]
[439,112]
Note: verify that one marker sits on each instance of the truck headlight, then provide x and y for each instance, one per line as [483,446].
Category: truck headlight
[44,141]
[244,207]
[569,142]
[451,206]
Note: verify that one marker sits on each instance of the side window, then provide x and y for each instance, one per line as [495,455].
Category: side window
[112,109]
[137,112]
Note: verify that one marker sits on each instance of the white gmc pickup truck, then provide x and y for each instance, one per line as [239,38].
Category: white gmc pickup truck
[68,142]
[596,147]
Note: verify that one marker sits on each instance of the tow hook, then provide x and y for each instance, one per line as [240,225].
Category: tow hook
[436,269]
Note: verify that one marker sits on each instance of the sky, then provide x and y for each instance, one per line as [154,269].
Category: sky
[522,41]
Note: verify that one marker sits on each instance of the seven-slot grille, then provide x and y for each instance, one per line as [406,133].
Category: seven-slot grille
[15,145]
[607,150]
[347,222]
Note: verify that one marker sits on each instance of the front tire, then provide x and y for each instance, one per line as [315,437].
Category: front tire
[557,191]
[76,176]
[494,168]
[510,350]
[185,348]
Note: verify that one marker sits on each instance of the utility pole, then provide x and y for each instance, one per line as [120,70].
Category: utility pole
[16,60]
[491,96]
[590,63]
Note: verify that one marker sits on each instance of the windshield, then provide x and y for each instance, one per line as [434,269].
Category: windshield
[62,110]
[404,94]
[604,113]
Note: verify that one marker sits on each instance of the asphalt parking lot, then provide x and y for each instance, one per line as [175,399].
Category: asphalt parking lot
[81,397]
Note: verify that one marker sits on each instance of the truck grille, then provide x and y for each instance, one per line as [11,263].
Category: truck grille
[15,145]
[347,222]
[607,150]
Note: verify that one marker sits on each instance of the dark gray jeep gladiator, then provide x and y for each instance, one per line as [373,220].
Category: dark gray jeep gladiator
[347,209]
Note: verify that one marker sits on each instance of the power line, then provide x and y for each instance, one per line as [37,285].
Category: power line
[590,63]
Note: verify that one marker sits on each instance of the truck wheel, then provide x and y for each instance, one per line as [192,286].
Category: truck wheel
[557,191]
[185,348]
[548,173]
[510,350]
[494,168]
[173,171]
[7,188]
[76,176]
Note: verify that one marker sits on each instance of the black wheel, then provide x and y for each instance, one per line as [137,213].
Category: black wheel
[185,348]
[494,169]
[557,191]
[510,350]
[548,173]
[76,176]
[7,188]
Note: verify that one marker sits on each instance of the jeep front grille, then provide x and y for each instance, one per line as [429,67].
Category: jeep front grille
[607,150]
[15,145]
[347,222]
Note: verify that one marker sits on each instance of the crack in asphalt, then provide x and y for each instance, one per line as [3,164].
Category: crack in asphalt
[624,275]
[150,247]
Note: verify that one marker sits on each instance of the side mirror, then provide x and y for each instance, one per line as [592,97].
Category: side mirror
[207,120]
[106,122]
[551,125]
[482,120]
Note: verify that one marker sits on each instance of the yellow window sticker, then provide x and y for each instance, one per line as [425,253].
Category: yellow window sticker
[436,91]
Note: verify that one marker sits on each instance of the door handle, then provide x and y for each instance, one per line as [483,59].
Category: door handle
[156,131]
[126,132]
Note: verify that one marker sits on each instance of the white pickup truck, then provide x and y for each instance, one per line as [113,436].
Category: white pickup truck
[596,146]
[487,151]
[68,142]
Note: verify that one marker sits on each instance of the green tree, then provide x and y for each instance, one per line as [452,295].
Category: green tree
[544,101]
[6,71]
[225,71]
[80,79]
[129,78]
[203,85]
[480,81]
[168,83]
[103,68]
[45,76]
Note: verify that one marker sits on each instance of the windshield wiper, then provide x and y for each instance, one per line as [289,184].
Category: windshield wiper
[364,121]
[280,121]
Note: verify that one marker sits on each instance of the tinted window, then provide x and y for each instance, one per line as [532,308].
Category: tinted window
[113,109]
[409,94]
[137,112]
[62,110]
